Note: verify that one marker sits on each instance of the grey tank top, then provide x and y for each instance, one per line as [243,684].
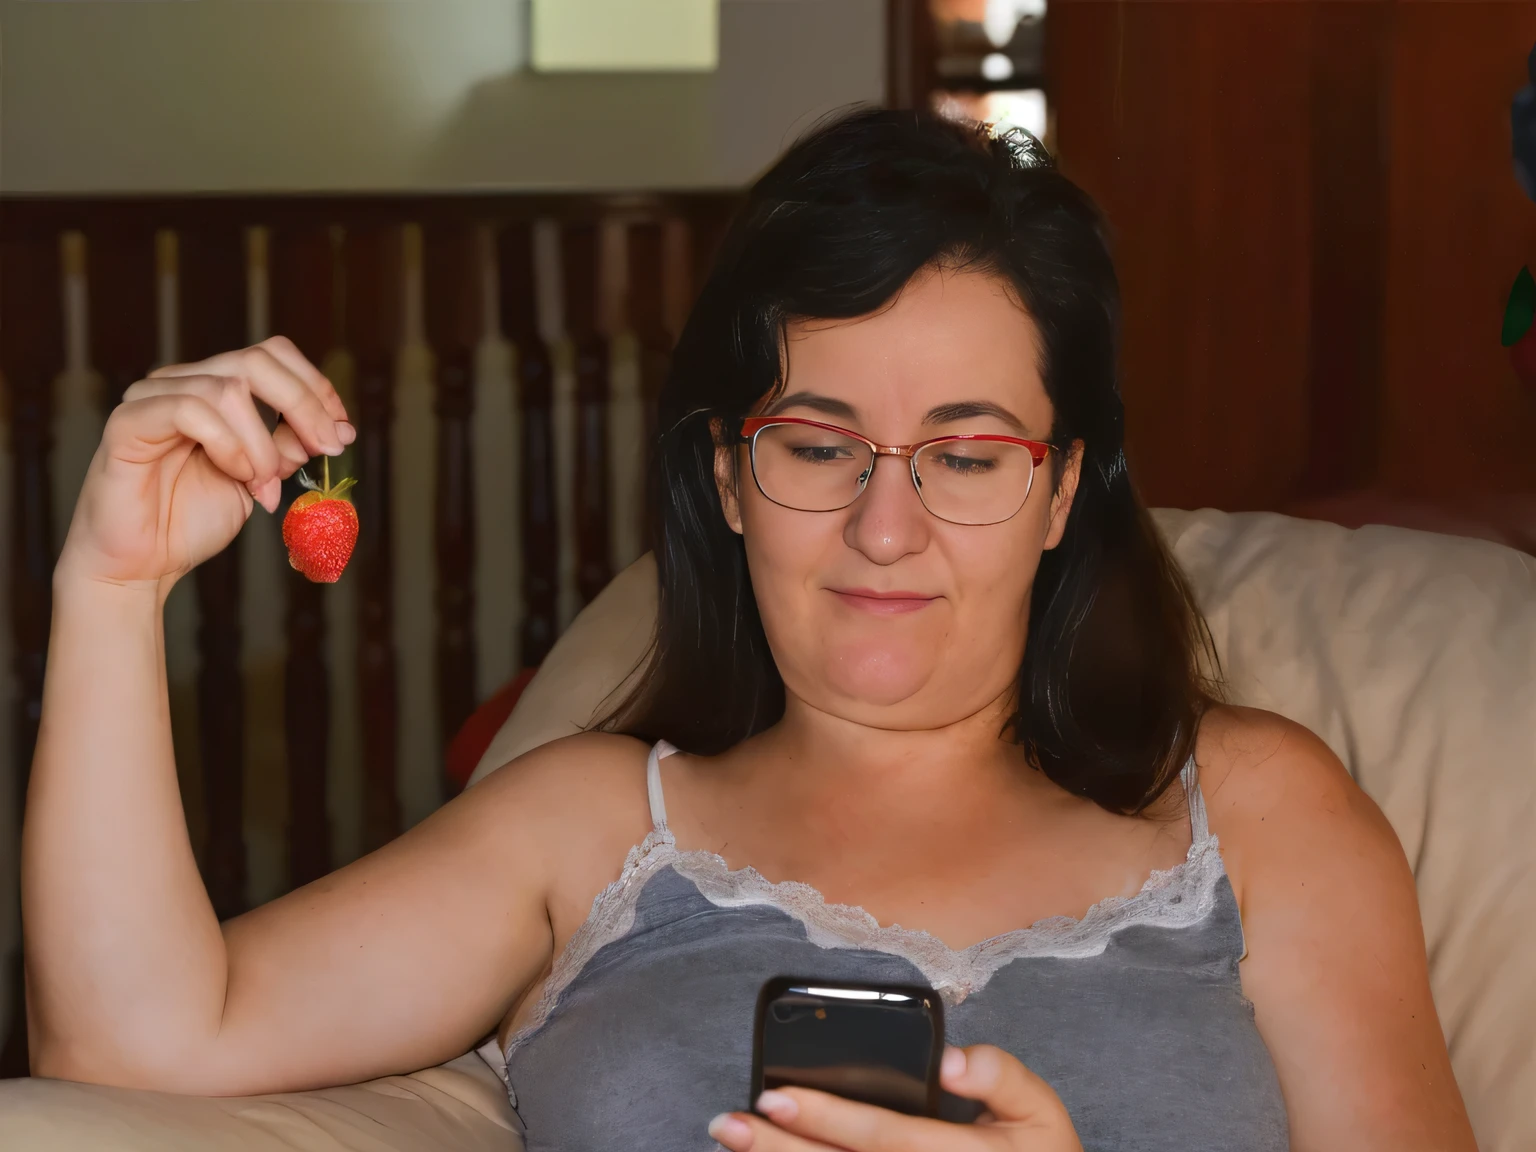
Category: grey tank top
[1133,1014]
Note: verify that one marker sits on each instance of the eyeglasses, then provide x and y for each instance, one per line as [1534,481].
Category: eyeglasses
[813,467]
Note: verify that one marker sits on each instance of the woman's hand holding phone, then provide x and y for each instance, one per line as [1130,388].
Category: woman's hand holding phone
[1023,1115]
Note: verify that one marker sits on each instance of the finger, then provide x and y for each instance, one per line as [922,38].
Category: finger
[1010,1091]
[287,353]
[157,421]
[292,452]
[232,400]
[270,381]
[848,1124]
[744,1132]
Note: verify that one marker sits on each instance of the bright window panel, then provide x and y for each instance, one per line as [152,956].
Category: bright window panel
[1024,109]
[626,35]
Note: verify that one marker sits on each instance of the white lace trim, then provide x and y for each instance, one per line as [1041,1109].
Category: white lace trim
[1178,897]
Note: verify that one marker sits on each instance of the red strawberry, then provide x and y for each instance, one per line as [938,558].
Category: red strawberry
[320,529]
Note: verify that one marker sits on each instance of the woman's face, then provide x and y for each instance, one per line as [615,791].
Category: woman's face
[953,354]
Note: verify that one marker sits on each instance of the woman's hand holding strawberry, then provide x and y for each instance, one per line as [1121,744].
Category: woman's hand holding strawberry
[186,456]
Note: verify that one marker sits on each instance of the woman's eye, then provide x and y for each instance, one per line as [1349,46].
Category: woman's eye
[821,455]
[966,465]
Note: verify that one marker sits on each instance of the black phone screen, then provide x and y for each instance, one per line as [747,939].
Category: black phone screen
[878,1043]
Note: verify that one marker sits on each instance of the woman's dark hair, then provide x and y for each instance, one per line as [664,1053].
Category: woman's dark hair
[1111,686]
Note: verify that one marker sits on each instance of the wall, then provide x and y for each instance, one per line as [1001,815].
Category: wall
[399,95]
[1316,223]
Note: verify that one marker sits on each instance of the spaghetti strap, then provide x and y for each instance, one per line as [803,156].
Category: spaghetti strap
[1199,827]
[653,784]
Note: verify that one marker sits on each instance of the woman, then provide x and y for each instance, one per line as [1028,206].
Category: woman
[958,690]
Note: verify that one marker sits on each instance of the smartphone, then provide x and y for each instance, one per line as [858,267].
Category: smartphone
[877,1043]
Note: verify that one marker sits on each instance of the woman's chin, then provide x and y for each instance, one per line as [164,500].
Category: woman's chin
[879,677]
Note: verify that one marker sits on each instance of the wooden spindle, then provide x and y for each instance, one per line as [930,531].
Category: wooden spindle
[301,310]
[677,275]
[122,298]
[451,271]
[707,224]
[647,318]
[78,391]
[31,346]
[31,352]
[540,539]
[32,551]
[31,604]
[213,307]
[373,319]
[579,259]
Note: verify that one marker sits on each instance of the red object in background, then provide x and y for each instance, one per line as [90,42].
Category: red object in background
[480,729]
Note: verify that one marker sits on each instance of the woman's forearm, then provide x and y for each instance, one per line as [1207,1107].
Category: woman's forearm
[126,964]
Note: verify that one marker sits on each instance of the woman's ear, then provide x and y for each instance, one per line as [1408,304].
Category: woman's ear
[1061,499]
[726,475]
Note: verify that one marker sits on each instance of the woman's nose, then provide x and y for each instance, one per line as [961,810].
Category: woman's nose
[888,520]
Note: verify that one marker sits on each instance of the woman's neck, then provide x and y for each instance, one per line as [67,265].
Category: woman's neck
[837,753]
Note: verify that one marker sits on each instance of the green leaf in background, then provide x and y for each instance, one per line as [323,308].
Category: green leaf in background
[1521,309]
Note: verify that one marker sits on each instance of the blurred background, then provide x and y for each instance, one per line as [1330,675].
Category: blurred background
[487,219]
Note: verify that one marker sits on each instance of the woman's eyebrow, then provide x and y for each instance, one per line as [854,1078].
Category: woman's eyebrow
[967,409]
[826,405]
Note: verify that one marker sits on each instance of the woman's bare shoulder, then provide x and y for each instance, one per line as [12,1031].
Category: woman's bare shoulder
[571,792]
[1260,768]
[582,770]
[1290,819]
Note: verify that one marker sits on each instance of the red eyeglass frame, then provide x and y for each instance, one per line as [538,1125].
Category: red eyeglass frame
[752,425]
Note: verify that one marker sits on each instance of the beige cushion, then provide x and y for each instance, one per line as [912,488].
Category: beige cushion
[459,1107]
[1412,654]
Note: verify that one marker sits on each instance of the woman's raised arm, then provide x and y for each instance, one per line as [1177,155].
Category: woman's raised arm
[401,960]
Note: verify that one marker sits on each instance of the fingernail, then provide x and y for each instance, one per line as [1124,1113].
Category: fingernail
[777,1106]
[263,495]
[345,432]
[729,1130]
[953,1063]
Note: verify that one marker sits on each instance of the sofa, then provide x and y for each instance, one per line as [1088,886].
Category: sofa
[1413,654]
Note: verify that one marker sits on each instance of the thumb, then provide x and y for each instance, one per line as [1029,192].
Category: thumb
[1011,1092]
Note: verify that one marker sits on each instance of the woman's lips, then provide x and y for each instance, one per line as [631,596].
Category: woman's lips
[882,603]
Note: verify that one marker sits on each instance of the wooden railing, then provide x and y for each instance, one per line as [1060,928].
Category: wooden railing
[500,357]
